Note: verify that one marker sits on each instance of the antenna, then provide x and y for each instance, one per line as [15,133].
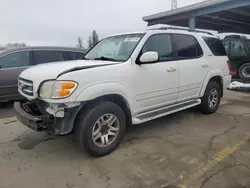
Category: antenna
[174,4]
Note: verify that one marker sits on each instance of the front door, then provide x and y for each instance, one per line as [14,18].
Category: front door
[156,84]
[11,65]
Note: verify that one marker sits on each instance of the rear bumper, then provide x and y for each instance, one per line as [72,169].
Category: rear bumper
[226,81]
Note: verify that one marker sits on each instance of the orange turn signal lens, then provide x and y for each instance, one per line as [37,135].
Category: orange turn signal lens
[62,89]
[63,93]
[67,85]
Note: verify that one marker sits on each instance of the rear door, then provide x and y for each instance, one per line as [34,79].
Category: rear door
[219,58]
[193,66]
[11,65]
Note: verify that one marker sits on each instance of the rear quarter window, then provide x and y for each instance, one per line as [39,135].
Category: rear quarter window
[215,46]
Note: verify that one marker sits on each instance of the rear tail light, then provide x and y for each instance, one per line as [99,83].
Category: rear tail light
[232,73]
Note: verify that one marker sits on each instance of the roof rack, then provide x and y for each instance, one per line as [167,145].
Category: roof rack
[182,29]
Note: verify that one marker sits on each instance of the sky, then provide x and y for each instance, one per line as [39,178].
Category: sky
[60,22]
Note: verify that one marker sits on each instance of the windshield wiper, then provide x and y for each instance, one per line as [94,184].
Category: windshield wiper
[103,58]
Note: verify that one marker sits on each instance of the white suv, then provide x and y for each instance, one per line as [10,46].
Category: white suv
[125,79]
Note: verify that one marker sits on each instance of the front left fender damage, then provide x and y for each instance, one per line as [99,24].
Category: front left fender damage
[65,125]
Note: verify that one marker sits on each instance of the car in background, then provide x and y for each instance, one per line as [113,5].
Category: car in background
[238,51]
[14,61]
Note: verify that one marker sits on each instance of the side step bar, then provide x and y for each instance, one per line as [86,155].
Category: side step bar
[154,114]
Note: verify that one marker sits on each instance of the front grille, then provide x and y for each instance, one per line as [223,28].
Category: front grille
[26,86]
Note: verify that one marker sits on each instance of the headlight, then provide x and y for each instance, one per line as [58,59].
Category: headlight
[57,89]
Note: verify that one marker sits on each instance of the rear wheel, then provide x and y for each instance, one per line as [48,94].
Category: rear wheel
[100,128]
[211,99]
[244,71]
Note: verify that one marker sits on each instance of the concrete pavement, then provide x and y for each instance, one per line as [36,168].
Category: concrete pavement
[7,110]
[186,149]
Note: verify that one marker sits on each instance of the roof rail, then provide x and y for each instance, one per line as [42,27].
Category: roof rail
[182,29]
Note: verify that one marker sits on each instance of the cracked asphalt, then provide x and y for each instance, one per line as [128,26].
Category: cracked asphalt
[186,149]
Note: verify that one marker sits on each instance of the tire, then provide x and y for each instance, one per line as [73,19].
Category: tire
[244,71]
[206,106]
[86,126]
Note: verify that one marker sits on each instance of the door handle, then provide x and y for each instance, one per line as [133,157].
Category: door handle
[171,69]
[205,66]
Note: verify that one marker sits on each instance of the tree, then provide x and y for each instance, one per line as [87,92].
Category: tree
[93,39]
[16,45]
[79,42]
[90,45]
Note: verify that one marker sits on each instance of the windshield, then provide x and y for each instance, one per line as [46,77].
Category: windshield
[116,48]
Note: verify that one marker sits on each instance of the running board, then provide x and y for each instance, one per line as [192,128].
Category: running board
[154,114]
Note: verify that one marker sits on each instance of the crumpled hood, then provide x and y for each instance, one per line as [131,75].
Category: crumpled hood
[50,71]
[53,70]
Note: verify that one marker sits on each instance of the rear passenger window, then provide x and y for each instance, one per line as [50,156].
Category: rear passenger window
[187,46]
[159,43]
[43,56]
[215,46]
[65,56]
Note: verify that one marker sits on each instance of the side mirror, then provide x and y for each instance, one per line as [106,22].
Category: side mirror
[149,57]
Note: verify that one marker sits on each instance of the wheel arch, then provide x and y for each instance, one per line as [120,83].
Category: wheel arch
[98,90]
[217,77]
[243,62]
[219,80]
[115,98]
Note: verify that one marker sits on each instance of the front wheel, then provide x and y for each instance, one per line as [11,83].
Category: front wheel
[211,99]
[100,128]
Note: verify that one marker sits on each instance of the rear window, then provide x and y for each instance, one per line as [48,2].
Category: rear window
[215,46]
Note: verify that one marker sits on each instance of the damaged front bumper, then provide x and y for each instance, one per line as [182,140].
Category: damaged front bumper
[34,115]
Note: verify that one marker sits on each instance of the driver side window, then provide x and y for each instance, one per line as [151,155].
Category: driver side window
[16,59]
[160,43]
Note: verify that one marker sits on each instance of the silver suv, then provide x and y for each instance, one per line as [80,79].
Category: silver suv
[14,61]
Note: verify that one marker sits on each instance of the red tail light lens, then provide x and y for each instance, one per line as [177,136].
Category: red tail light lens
[232,73]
